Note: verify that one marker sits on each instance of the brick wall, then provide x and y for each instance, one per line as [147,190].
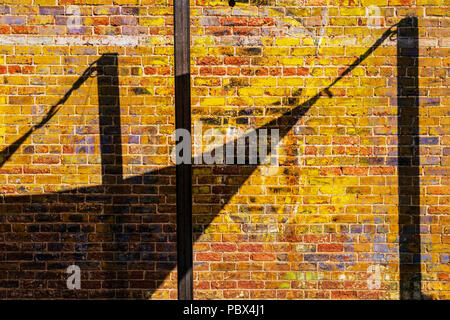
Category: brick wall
[86,177]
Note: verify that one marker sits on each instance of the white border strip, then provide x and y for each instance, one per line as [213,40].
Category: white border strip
[101,40]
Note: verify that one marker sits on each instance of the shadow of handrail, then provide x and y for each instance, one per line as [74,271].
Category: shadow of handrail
[6,153]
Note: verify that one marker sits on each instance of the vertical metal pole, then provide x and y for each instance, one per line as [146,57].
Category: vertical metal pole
[183,171]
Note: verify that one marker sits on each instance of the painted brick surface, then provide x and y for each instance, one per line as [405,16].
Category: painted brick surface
[322,225]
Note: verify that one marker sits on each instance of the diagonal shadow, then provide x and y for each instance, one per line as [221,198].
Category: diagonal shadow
[120,233]
[6,154]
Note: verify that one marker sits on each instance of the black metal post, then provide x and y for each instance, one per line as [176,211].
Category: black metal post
[184,170]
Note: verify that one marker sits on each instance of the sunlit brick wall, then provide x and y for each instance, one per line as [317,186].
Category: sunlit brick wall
[322,225]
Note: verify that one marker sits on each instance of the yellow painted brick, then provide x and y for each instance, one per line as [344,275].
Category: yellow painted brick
[332,208]
[251,190]
[50,60]
[207,81]
[290,21]
[251,92]
[344,21]
[5,49]
[373,82]
[48,179]
[437,12]
[303,51]
[317,82]
[316,199]
[317,219]
[282,92]
[344,199]
[28,50]
[358,11]
[203,41]
[291,61]
[151,21]
[360,92]
[220,101]
[267,101]
[19,59]
[287,41]
[236,82]
[263,82]
[332,51]
[308,41]
[288,82]
[163,50]
[240,101]
[125,2]
[374,2]
[275,51]
[75,179]
[427,2]
[20,80]
[264,61]
[221,51]
[199,51]
[344,218]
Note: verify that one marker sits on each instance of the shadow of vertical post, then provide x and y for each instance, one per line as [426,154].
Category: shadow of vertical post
[112,172]
[109,119]
[408,158]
